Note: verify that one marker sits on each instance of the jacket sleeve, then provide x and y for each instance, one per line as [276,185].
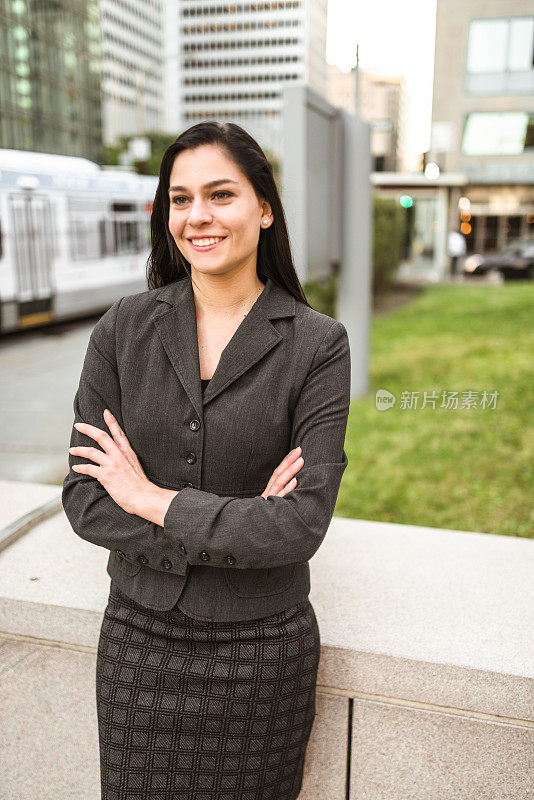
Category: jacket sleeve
[263,532]
[91,511]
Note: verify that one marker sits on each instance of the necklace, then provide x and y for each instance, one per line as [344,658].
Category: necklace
[261,290]
[246,300]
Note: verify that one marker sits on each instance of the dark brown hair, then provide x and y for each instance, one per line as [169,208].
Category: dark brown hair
[166,263]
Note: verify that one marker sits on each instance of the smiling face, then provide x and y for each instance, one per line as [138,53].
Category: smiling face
[211,198]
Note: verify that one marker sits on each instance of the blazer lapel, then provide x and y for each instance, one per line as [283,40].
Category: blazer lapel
[255,336]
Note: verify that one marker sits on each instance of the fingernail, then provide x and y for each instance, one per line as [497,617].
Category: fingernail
[296,450]
[299,460]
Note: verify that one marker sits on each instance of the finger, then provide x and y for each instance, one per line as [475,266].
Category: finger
[281,480]
[121,440]
[103,438]
[291,485]
[87,469]
[280,491]
[119,437]
[290,472]
[89,452]
[289,459]
[113,425]
[277,476]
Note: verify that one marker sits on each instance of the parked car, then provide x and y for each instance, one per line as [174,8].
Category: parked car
[515,261]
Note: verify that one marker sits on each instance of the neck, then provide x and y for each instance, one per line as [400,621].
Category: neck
[225,296]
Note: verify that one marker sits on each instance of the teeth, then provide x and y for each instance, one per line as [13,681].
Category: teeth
[205,242]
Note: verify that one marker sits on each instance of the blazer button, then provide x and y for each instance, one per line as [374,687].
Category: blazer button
[192,485]
[142,559]
[205,556]
[230,559]
[166,564]
[194,424]
[182,548]
[190,458]
[120,553]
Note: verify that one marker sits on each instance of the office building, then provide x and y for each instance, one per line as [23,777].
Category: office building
[381,102]
[483,116]
[50,71]
[234,59]
[133,67]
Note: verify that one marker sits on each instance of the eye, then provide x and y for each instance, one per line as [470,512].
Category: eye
[177,198]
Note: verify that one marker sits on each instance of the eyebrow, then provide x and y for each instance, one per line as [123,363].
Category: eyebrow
[209,185]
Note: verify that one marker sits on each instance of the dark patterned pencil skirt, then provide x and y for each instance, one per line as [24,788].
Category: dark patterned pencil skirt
[199,710]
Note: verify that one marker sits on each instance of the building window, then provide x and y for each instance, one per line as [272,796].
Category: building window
[494,133]
[498,45]
[500,56]
[513,228]
[491,231]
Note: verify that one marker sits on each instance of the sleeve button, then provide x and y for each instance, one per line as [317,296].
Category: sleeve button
[205,556]
[142,559]
[230,559]
[182,548]
[120,553]
[166,564]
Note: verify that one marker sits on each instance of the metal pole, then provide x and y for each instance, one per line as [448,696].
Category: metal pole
[357,81]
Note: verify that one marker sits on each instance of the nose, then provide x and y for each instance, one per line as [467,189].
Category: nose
[199,213]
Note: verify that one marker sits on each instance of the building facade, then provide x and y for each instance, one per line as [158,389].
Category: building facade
[234,59]
[483,116]
[133,67]
[50,77]
[381,102]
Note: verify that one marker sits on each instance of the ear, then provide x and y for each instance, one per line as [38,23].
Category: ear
[266,211]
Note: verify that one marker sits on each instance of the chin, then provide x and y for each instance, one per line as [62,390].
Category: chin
[211,269]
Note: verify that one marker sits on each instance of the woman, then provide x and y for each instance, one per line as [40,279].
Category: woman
[209,647]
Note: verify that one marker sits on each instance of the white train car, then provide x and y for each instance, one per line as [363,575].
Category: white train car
[74,237]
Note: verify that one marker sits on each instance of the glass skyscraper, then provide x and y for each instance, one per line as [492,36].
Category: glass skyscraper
[50,77]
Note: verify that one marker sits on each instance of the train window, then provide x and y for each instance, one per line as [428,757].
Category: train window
[85,217]
[125,227]
[98,228]
[125,236]
[123,207]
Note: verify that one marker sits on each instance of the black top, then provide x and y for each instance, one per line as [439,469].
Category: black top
[204,382]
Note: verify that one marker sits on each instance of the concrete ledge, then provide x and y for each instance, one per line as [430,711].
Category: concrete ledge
[427,650]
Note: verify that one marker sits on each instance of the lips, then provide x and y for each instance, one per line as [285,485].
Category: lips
[205,248]
[211,236]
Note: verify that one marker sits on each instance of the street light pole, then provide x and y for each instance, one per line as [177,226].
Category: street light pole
[357,81]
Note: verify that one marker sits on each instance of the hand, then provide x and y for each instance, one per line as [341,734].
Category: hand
[119,470]
[282,481]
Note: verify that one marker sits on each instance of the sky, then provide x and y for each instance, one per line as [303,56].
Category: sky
[404,45]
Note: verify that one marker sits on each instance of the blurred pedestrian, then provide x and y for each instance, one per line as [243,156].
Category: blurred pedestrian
[457,248]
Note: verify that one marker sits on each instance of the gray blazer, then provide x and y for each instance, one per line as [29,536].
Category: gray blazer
[224,552]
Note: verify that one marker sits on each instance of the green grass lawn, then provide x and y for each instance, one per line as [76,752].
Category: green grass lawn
[466,469]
